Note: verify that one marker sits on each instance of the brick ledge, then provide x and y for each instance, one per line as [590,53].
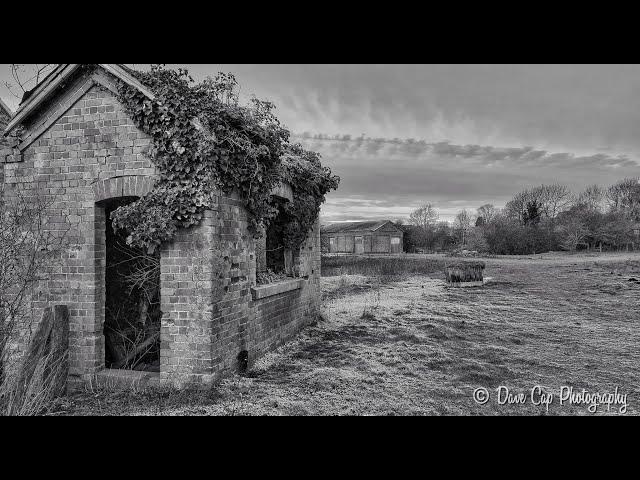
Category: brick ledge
[271,289]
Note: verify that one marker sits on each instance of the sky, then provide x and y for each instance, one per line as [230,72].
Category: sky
[457,136]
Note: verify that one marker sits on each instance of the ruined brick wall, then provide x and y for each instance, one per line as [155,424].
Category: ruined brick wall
[88,151]
[256,326]
[209,314]
[277,318]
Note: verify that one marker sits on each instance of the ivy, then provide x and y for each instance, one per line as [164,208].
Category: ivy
[204,140]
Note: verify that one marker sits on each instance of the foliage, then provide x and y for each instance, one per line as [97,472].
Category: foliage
[532,213]
[310,182]
[204,141]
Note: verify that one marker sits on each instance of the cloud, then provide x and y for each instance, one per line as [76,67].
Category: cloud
[411,149]
[389,177]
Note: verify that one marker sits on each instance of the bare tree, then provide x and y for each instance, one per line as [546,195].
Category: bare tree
[516,207]
[463,223]
[624,197]
[26,76]
[487,212]
[553,199]
[425,216]
[550,199]
[592,197]
[574,233]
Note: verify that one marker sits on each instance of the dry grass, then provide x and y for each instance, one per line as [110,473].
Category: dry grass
[387,267]
[418,347]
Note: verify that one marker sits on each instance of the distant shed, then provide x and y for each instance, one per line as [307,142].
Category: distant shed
[361,237]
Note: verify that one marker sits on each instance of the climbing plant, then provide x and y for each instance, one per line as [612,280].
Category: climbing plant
[203,140]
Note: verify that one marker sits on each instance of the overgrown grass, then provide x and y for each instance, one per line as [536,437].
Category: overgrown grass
[389,267]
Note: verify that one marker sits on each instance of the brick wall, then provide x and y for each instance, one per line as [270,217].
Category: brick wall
[277,318]
[239,322]
[91,144]
[187,284]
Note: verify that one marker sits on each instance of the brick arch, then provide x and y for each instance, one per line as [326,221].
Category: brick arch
[124,186]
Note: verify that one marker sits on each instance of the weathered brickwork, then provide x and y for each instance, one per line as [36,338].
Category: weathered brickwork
[92,141]
[209,315]
[81,149]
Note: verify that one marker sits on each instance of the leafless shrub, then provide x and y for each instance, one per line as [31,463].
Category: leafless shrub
[29,250]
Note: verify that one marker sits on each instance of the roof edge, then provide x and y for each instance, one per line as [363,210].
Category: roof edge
[47,87]
[6,108]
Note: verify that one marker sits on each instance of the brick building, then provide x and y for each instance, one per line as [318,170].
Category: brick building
[362,237]
[77,144]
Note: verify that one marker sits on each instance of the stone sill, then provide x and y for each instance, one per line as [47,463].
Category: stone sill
[270,289]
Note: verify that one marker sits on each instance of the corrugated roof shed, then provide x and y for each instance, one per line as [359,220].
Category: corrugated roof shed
[344,227]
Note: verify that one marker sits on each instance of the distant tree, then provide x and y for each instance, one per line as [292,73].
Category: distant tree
[532,213]
[476,239]
[425,216]
[516,207]
[414,238]
[552,199]
[573,233]
[486,213]
[463,223]
[619,230]
[504,235]
[443,236]
[592,197]
[624,197]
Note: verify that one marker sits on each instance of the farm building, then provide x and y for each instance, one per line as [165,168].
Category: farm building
[362,237]
[73,140]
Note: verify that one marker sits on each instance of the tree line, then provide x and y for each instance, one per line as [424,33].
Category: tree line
[539,219]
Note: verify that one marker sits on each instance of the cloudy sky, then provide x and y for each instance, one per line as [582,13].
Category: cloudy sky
[454,135]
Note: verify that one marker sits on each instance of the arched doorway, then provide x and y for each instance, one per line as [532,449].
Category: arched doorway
[131,286]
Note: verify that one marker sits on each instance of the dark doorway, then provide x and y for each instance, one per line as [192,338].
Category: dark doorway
[132,300]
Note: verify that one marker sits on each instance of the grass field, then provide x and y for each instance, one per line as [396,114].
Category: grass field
[386,266]
[410,345]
